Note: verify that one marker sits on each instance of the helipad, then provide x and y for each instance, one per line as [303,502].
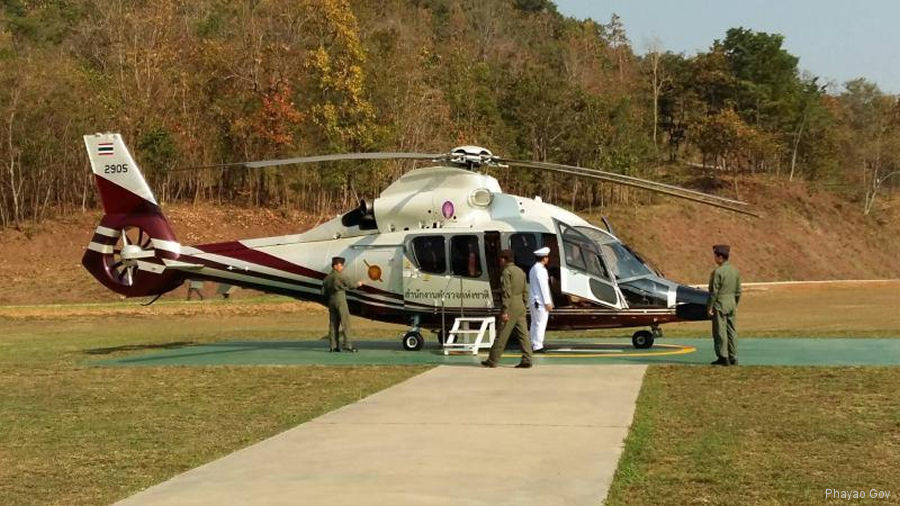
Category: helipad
[754,351]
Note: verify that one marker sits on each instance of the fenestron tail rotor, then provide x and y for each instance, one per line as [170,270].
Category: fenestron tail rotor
[473,157]
[133,244]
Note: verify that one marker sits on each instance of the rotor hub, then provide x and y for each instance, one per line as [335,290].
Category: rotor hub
[472,156]
[131,252]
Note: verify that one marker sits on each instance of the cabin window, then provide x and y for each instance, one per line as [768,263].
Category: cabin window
[465,256]
[622,261]
[582,254]
[430,253]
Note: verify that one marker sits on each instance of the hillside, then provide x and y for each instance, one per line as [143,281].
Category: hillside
[205,82]
[803,235]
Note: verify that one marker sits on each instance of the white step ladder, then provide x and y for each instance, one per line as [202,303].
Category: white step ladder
[459,339]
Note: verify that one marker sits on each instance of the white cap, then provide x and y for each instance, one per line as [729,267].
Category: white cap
[545,251]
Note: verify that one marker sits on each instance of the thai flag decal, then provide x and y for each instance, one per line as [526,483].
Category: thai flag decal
[105,148]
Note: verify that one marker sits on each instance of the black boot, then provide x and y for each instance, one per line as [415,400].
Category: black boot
[719,361]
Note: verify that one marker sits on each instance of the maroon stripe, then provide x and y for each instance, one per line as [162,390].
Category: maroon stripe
[256,274]
[238,251]
[235,249]
[118,200]
[270,277]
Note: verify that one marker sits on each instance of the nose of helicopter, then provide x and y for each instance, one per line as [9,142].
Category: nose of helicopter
[691,303]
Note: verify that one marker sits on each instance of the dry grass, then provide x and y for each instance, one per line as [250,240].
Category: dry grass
[74,434]
[818,310]
[760,435]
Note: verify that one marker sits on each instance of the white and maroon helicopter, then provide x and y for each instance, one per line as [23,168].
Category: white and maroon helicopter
[427,247]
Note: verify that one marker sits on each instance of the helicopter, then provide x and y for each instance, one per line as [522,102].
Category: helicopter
[428,246]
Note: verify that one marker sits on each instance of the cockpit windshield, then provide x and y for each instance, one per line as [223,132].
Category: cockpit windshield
[622,262]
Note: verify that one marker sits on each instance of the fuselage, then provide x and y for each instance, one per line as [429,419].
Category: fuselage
[427,251]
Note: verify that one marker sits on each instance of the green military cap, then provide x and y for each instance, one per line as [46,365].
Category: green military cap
[337,260]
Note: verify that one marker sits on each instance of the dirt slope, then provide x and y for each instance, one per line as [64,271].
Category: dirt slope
[804,235]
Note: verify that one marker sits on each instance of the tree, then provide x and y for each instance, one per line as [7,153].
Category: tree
[871,141]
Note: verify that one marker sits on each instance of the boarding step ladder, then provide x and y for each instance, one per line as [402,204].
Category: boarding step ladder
[460,339]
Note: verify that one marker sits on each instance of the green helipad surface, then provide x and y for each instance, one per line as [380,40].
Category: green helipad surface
[767,351]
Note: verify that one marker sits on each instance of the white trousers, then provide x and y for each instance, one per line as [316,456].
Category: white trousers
[539,317]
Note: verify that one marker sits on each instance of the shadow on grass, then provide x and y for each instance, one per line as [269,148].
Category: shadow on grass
[137,347]
[221,348]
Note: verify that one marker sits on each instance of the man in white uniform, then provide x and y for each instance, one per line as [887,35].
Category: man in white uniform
[539,300]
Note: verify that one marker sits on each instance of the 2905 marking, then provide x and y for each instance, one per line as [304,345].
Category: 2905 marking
[119,168]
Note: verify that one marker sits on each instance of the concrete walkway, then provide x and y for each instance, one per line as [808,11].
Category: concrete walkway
[453,435]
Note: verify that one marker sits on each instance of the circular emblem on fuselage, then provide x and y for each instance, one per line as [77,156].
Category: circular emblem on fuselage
[373,271]
[447,209]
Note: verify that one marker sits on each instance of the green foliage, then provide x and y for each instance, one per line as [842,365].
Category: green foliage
[157,149]
[214,81]
[535,5]
[40,22]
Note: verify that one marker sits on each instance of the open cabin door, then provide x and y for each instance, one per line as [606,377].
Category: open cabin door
[583,273]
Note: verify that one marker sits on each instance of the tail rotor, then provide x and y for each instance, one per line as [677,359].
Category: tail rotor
[129,250]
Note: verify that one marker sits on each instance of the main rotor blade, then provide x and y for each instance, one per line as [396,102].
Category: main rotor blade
[674,191]
[321,158]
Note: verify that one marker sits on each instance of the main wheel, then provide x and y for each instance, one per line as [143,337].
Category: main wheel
[642,339]
[413,341]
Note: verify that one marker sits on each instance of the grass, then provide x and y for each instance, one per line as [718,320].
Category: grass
[74,434]
[760,435]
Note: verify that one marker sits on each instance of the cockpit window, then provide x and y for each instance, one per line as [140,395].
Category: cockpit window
[623,263]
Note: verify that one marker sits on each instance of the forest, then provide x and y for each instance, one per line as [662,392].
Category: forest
[204,82]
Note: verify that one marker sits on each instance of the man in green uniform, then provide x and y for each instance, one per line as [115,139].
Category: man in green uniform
[514,293]
[334,288]
[724,296]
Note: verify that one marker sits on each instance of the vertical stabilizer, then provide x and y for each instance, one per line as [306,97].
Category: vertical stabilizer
[133,241]
[123,189]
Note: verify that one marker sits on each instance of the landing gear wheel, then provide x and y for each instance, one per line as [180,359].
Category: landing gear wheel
[642,339]
[413,341]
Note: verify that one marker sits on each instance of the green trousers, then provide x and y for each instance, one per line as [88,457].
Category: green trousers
[338,313]
[725,334]
[517,324]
